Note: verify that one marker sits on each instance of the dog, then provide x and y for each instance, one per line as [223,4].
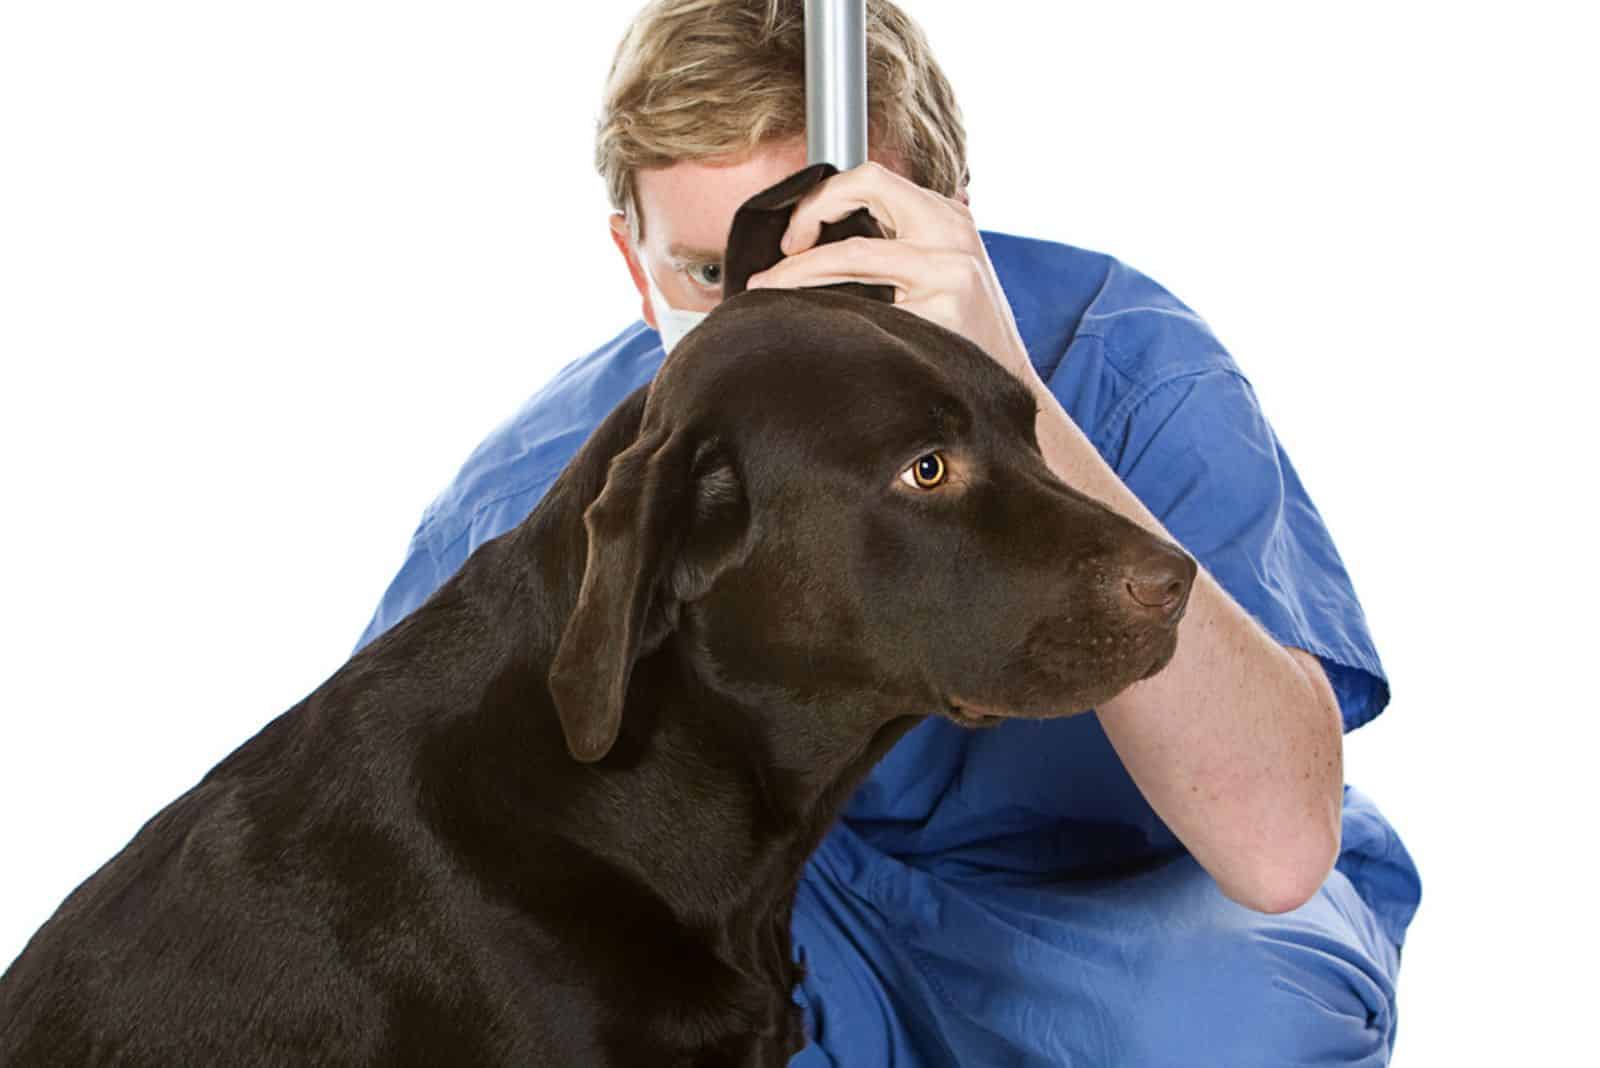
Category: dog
[558,814]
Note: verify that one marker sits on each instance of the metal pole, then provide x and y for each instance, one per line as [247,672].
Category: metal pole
[836,82]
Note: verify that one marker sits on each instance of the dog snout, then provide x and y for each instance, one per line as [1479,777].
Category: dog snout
[1157,582]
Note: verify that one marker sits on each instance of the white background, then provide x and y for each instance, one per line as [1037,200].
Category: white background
[268,272]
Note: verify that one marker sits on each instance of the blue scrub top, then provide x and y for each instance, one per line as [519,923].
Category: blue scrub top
[1167,408]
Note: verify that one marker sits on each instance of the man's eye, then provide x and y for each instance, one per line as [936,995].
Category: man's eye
[711,276]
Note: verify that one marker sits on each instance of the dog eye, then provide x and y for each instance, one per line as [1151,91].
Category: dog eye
[926,473]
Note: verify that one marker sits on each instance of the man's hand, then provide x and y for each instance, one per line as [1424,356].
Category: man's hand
[931,253]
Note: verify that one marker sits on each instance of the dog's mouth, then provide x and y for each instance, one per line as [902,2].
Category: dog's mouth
[968,714]
[1156,665]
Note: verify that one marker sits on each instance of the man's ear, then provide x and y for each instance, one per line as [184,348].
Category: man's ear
[672,516]
[624,242]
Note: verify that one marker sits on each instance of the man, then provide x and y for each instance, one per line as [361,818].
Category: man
[1179,878]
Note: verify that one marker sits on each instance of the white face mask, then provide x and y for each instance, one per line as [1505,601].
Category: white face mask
[672,322]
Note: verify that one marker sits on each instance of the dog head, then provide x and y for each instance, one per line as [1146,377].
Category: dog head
[835,497]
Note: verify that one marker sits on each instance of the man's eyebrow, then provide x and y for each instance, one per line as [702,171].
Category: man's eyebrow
[689,254]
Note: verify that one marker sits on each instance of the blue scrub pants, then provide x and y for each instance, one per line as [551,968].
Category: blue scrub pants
[1155,969]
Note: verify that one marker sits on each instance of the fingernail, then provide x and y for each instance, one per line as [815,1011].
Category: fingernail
[787,244]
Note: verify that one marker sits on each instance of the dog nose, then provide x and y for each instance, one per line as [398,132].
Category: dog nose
[1159,580]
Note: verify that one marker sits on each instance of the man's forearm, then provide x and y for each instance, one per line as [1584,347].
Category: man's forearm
[1237,743]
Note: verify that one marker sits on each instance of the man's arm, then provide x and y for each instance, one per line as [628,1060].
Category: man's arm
[1237,744]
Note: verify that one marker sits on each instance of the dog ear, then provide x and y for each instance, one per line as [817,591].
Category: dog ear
[757,229]
[671,517]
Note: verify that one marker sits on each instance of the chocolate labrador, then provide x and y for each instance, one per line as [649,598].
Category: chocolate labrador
[557,815]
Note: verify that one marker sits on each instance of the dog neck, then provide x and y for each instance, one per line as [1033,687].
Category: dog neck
[779,772]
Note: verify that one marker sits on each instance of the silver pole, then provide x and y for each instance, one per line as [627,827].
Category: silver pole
[836,82]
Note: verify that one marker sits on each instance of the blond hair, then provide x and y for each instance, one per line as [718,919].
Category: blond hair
[695,79]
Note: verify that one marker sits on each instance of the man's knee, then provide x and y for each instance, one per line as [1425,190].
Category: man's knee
[1304,988]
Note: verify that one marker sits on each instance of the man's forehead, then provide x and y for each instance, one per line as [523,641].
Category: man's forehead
[689,205]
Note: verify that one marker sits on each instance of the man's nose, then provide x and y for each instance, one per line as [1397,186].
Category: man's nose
[1157,579]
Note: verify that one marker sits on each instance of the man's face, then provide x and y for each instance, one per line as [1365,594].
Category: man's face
[688,209]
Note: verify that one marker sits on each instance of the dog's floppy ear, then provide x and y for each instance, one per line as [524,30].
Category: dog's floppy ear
[671,517]
[758,226]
